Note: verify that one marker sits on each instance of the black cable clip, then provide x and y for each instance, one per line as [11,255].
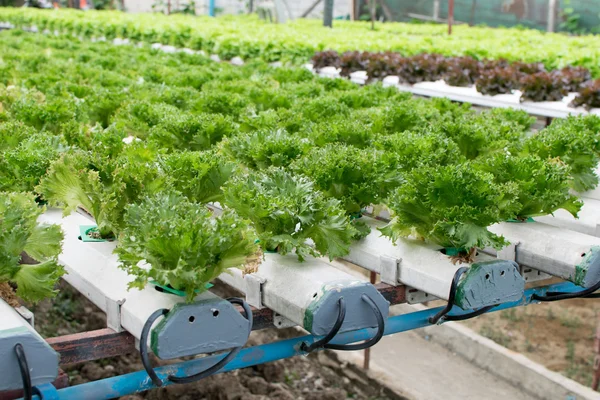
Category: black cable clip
[555,296]
[443,314]
[24,368]
[324,342]
[200,375]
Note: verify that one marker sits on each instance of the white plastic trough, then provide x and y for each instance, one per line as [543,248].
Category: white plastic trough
[422,266]
[94,271]
[569,255]
[306,293]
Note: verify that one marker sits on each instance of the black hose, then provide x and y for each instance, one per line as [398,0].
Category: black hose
[144,345]
[327,338]
[555,296]
[24,368]
[473,314]
[224,361]
[459,272]
[370,342]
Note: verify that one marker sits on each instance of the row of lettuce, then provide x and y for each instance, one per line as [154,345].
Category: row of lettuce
[491,77]
[144,140]
[250,38]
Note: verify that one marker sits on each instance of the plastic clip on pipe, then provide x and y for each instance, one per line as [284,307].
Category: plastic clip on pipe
[201,375]
[324,342]
[443,314]
[327,338]
[24,368]
[555,296]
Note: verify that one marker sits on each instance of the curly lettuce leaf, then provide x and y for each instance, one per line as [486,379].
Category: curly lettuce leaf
[452,206]
[199,176]
[265,148]
[183,244]
[542,185]
[573,141]
[20,233]
[351,175]
[286,211]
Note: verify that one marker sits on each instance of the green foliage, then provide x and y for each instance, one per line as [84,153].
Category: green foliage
[351,175]
[134,122]
[184,246]
[542,185]
[351,130]
[286,211]
[35,110]
[100,185]
[452,206]
[407,150]
[299,40]
[23,166]
[574,142]
[183,131]
[21,234]
[198,175]
[479,135]
[265,148]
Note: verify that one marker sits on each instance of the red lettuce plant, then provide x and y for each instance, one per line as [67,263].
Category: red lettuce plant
[589,95]
[575,77]
[383,64]
[497,81]
[327,58]
[543,86]
[462,71]
[421,68]
[352,61]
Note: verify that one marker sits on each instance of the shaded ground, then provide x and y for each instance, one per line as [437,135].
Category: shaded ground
[558,335]
[315,377]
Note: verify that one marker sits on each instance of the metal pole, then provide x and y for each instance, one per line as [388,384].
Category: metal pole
[367,357]
[436,10]
[372,7]
[211,8]
[551,15]
[450,16]
[473,7]
[250,6]
[328,13]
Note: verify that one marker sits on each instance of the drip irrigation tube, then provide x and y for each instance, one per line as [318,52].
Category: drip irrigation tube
[555,296]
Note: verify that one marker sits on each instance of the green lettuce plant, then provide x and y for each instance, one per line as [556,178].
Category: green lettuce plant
[21,235]
[286,210]
[183,245]
[451,206]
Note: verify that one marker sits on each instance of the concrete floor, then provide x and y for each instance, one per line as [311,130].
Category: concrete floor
[423,370]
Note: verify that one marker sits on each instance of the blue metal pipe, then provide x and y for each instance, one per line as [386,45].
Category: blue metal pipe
[211,8]
[139,381]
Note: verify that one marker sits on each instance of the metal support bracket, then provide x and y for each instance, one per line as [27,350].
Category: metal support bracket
[416,296]
[281,322]
[254,290]
[533,275]
[509,252]
[27,315]
[390,269]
